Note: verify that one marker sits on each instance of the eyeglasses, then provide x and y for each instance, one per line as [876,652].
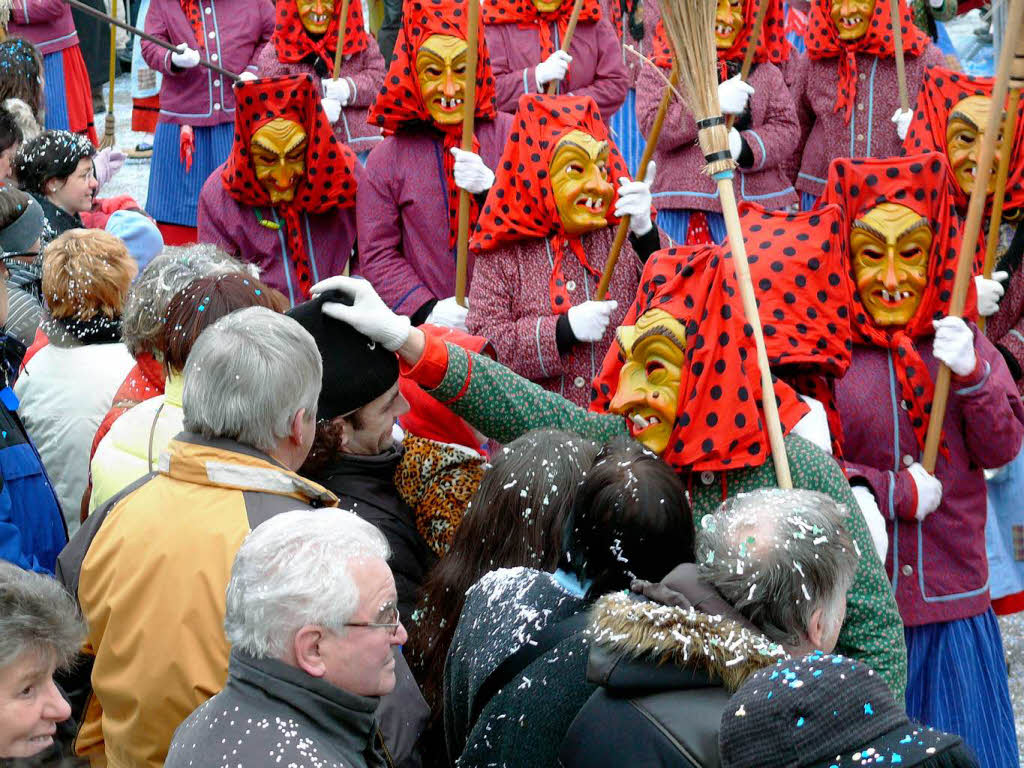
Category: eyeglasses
[391,625]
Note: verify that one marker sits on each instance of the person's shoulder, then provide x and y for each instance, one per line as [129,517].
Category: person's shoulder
[506,583]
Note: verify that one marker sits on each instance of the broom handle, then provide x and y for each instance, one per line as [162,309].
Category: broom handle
[731,214]
[113,57]
[569,32]
[90,11]
[652,144]
[972,225]
[752,43]
[469,106]
[901,70]
[342,27]
[999,196]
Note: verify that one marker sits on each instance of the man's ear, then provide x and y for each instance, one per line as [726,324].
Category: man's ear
[306,647]
[346,431]
[298,426]
[816,629]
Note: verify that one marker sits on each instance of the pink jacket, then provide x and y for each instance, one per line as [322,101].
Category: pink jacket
[235,33]
[402,214]
[596,70]
[510,304]
[47,24]
[826,134]
[680,181]
[365,74]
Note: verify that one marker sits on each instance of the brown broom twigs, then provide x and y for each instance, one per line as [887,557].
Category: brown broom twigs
[569,32]
[109,129]
[342,25]
[689,25]
[1012,56]
[469,113]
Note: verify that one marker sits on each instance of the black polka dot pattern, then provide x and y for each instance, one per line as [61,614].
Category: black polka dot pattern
[773,45]
[293,43]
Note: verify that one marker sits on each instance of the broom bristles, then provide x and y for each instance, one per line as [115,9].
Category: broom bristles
[689,26]
[108,139]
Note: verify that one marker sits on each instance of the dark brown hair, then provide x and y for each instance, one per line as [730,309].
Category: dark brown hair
[22,68]
[203,302]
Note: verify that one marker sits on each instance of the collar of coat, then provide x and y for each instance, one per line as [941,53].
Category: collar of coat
[226,463]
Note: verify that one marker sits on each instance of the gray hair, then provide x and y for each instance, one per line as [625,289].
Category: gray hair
[38,615]
[777,556]
[142,321]
[293,570]
[247,376]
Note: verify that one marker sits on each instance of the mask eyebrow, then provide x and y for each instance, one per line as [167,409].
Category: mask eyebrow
[661,331]
[860,224]
[291,147]
[601,148]
[963,117]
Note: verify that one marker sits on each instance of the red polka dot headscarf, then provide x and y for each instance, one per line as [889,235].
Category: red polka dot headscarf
[400,101]
[194,14]
[293,43]
[923,184]
[330,180]
[719,423]
[521,203]
[525,14]
[772,46]
[941,90]
[823,42]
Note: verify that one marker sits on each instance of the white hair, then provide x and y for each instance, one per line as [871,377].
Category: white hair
[293,570]
[247,376]
[36,615]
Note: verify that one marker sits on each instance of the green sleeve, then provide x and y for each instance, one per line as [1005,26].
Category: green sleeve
[504,406]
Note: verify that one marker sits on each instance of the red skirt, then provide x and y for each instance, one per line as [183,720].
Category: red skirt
[145,113]
[78,94]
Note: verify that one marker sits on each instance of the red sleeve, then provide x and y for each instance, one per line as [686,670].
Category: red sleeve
[430,369]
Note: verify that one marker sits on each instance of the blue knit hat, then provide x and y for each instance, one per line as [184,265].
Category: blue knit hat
[139,234]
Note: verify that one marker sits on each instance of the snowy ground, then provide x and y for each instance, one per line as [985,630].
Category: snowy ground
[133,179]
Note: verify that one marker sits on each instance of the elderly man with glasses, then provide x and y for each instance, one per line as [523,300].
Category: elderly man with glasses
[312,619]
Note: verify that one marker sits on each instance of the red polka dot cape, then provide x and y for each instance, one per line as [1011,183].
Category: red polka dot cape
[719,424]
[400,101]
[823,42]
[194,15]
[329,181]
[525,14]
[521,203]
[293,43]
[941,90]
[921,183]
[772,46]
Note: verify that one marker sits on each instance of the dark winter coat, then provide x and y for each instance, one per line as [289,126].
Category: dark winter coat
[525,720]
[366,485]
[271,713]
[58,221]
[666,673]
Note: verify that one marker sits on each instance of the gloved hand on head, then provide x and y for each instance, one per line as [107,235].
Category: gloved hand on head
[367,313]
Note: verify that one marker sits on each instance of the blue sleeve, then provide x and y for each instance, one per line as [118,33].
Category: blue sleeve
[11,548]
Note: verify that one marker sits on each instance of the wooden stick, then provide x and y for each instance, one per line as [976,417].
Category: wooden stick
[469,107]
[972,226]
[342,27]
[1002,174]
[570,30]
[110,127]
[652,144]
[901,70]
[90,11]
[752,43]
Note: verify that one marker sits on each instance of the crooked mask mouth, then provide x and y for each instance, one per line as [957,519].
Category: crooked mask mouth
[591,203]
[892,299]
[851,22]
[640,425]
[449,105]
[724,30]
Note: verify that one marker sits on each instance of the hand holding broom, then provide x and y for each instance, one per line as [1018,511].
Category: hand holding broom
[570,30]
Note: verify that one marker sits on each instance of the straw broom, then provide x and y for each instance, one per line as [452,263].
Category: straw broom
[570,30]
[109,139]
[689,25]
[469,113]
[5,17]
[1012,55]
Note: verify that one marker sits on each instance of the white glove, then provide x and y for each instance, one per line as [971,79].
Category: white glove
[107,163]
[185,57]
[901,119]
[735,143]
[990,292]
[553,67]
[368,314]
[247,77]
[590,319]
[470,172]
[929,490]
[954,345]
[337,89]
[635,201]
[814,426]
[873,519]
[733,95]
[449,313]
[332,108]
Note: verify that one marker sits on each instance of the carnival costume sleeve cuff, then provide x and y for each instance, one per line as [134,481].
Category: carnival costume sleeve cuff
[972,382]
[430,369]
[1011,361]
[419,317]
[746,158]
[564,337]
[647,244]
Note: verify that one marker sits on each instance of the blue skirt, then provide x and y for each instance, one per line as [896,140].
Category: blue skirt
[173,194]
[957,682]
[53,92]
[807,201]
[675,222]
[626,133]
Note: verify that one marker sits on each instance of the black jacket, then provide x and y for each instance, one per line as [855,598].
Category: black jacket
[366,485]
[665,673]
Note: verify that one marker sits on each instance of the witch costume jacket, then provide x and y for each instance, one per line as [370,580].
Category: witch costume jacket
[47,24]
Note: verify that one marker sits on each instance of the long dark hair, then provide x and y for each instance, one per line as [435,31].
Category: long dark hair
[516,518]
[630,520]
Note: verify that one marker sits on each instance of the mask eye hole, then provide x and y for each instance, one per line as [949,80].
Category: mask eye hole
[653,367]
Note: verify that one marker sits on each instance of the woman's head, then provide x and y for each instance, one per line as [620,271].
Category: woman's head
[58,166]
[630,520]
[86,273]
[40,630]
[23,74]
[202,303]
[21,223]
[10,142]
